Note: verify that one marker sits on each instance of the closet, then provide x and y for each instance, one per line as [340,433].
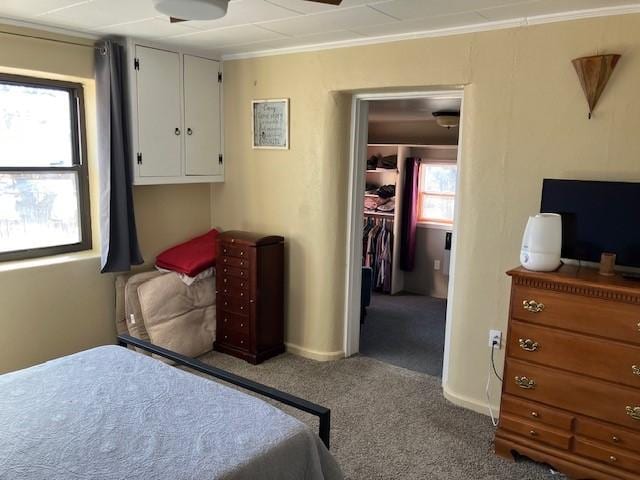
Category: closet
[176,116]
[384,210]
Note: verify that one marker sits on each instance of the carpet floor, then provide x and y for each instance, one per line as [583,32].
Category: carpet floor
[388,422]
[405,330]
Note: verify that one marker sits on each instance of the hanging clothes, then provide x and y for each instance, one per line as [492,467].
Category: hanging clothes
[377,250]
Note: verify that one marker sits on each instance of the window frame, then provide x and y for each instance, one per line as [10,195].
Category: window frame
[79,165]
[422,193]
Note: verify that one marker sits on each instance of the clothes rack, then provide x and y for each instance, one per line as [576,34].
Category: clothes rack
[377,243]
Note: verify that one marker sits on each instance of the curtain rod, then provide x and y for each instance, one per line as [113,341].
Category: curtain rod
[67,42]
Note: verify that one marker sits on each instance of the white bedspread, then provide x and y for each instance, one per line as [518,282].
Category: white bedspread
[110,413]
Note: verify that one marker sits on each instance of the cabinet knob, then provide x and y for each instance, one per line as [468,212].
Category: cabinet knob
[615,439]
[225,260]
[533,433]
[241,342]
[242,254]
[189,131]
[226,337]
[535,414]
[241,325]
[613,459]
[177,131]
[225,320]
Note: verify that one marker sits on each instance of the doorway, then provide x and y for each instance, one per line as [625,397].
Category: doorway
[403,207]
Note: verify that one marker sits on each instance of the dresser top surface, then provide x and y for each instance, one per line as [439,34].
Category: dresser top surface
[249,238]
[580,276]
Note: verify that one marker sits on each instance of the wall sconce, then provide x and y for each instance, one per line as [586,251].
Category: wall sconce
[593,73]
[447,119]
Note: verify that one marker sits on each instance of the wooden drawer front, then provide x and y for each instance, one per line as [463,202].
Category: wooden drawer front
[536,413]
[536,432]
[233,251]
[231,284]
[233,304]
[238,293]
[233,323]
[234,262]
[612,361]
[234,272]
[568,391]
[233,339]
[610,434]
[610,456]
[605,318]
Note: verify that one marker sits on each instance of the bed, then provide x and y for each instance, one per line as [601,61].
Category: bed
[112,413]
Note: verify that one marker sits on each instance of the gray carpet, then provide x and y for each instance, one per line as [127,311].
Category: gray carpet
[405,330]
[388,422]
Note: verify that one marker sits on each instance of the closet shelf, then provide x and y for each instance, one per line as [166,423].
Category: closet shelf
[383,170]
[379,214]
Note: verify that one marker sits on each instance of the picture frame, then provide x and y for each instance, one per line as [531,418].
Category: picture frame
[270,124]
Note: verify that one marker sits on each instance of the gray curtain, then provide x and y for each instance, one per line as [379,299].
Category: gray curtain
[119,239]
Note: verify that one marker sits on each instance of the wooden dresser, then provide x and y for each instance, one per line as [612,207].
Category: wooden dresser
[250,295]
[571,392]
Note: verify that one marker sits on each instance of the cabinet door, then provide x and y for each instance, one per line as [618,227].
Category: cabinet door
[159,113]
[202,116]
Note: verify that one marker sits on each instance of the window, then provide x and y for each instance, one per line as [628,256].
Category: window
[44,191]
[437,193]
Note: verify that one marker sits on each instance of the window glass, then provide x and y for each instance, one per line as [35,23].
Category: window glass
[437,193]
[439,178]
[35,127]
[38,210]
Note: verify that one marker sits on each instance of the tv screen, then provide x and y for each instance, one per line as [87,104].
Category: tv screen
[597,217]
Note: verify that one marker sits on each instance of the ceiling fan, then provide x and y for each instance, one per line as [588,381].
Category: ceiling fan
[185,10]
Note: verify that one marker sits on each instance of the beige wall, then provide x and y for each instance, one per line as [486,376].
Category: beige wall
[524,119]
[61,305]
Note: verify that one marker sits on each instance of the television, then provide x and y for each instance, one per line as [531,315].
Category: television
[597,217]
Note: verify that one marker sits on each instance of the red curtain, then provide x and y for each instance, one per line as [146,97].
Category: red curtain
[409,214]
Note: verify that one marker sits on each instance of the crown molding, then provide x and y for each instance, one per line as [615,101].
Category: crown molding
[47,28]
[444,32]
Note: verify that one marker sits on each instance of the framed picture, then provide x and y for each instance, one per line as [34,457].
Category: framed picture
[270,127]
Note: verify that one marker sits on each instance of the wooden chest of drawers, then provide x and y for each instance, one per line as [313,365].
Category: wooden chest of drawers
[250,295]
[571,392]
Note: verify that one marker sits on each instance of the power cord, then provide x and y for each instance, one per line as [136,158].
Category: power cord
[492,370]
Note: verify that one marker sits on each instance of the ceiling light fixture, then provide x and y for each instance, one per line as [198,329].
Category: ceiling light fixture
[192,9]
[447,119]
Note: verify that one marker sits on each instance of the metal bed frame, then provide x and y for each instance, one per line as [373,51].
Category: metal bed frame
[323,413]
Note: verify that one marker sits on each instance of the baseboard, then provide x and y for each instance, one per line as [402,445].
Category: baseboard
[314,354]
[469,403]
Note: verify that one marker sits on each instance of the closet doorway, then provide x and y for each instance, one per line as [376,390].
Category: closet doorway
[402,209]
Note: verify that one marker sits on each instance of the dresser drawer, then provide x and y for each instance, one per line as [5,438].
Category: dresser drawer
[233,339]
[228,322]
[229,250]
[233,304]
[609,434]
[616,362]
[231,283]
[536,432]
[233,262]
[593,398]
[234,271]
[610,456]
[536,412]
[594,316]
[238,293]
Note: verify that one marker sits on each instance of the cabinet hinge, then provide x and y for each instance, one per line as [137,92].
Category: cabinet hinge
[136,63]
[220,159]
[139,158]
[219,77]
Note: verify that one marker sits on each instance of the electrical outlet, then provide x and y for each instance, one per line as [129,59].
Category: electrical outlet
[436,264]
[495,339]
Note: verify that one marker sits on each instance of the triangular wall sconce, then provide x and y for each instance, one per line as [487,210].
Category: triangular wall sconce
[593,73]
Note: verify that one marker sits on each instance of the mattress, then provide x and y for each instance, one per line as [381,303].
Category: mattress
[111,413]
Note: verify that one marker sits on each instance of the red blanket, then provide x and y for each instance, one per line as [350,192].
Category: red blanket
[191,257]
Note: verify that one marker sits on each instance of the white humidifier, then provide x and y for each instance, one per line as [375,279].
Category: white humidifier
[542,243]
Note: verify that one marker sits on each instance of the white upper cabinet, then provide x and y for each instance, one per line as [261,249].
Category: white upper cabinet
[176,116]
[202,116]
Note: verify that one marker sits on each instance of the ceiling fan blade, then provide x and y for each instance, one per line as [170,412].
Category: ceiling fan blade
[176,20]
[328,2]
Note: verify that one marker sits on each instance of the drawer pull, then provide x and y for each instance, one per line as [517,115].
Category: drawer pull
[528,345]
[241,325]
[526,383]
[535,414]
[224,250]
[225,280]
[225,320]
[635,369]
[532,306]
[533,433]
[633,412]
[613,459]
[242,254]
[615,439]
[225,260]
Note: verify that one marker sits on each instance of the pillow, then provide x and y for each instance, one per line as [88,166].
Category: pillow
[179,317]
[191,257]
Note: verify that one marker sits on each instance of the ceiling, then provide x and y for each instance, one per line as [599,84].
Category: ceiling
[270,25]
[409,110]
